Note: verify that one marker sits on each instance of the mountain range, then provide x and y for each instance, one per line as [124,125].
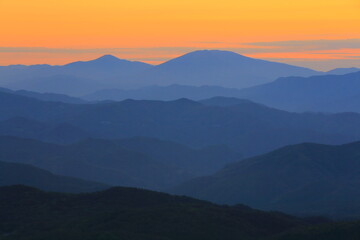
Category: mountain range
[321,93]
[306,179]
[325,93]
[209,67]
[196,75]
[230,130]
[248,128]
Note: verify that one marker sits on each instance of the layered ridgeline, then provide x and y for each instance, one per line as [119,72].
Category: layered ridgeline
[247,127]
[51,97]
[197,68]
[125,213]
[139,162]
[322,93]
[304,179]
[329,93]
[196,75]
[16,173]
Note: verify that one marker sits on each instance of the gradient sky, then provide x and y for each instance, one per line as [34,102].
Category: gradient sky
[315,33]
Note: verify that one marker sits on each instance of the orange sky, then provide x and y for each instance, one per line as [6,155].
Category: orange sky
[155,30]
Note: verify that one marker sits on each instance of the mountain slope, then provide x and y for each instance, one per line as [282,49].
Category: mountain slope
[15,173]
[304,179]
[94,160]
[247,128]
[133,214]
[220,68]
[138,162]
[198,162]
[52,97]
[55,133]
[328,93]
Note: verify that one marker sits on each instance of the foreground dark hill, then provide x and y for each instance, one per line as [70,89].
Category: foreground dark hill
[133,214]
[219,68]
[140,162]
[248,128]
[15,173]
[304,179]
[334,231]
[329,93]
[95,160]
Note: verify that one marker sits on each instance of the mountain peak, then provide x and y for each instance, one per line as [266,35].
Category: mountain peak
[214,53]
[103,60]
[205,58]
[107,58]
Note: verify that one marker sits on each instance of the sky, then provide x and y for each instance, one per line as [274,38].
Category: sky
[321,34]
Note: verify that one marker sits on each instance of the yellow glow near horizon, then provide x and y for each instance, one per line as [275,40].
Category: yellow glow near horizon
[174,23]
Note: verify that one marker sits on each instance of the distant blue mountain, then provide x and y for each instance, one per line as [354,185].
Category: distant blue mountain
[106,67]
[220,68]
[207,67]
[328,93]
[74,79]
